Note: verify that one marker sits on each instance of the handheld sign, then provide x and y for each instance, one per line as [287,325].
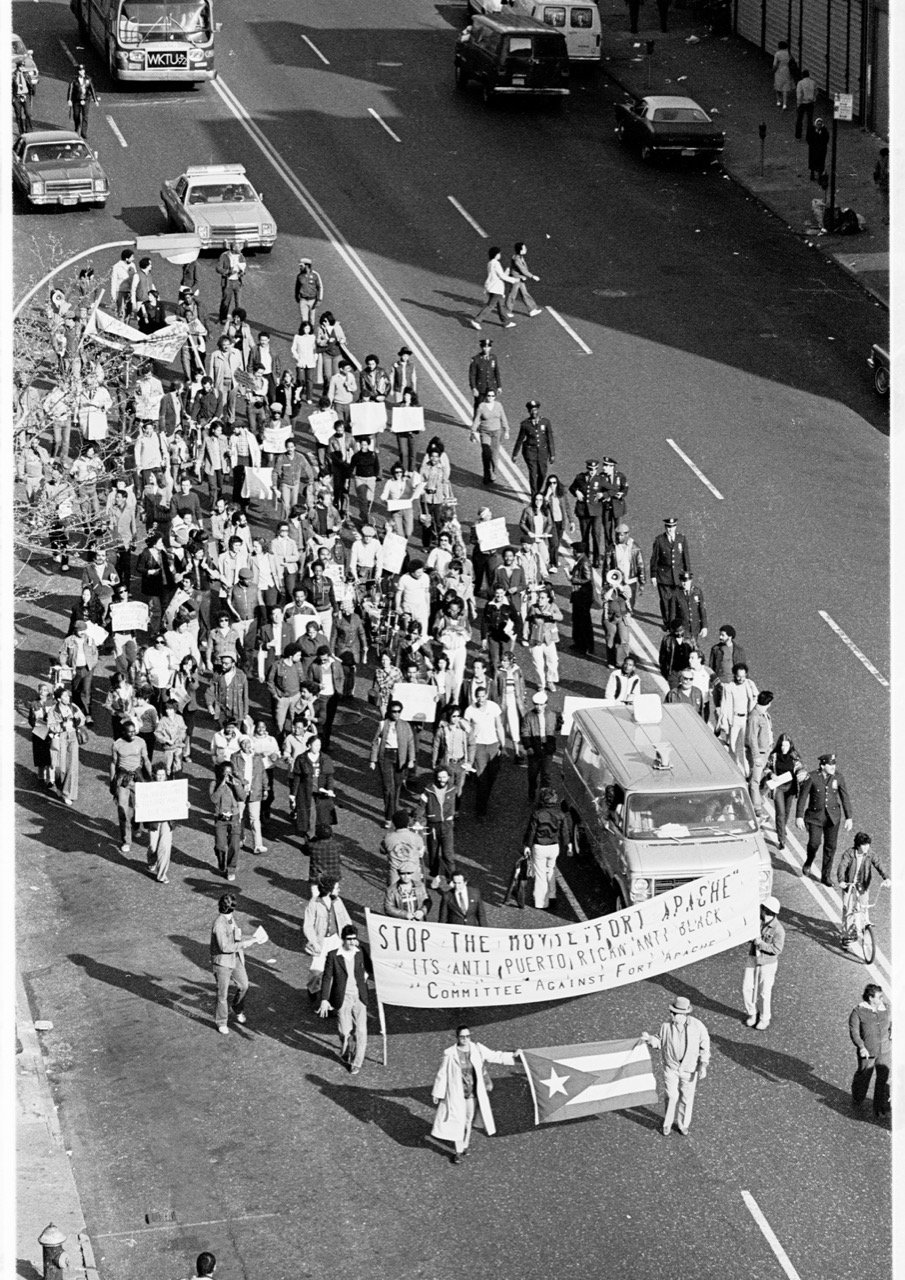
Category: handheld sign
[394,548]
[129,615]
[407,418]
[162,801]
[492,534]
[419,702]
[322,422]
[368,418]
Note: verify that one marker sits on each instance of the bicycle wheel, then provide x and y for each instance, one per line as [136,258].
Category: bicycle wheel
[868,945]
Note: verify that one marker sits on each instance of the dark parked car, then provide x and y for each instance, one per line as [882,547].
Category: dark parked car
[665,125]
[56,166]
[513,55]
[879,362]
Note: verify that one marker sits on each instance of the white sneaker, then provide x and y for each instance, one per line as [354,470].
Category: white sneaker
[475,324]
[510,324]
[749,1022]
[535,312]
[241,1018]
[761,1026]
[224,1031]
[124,848]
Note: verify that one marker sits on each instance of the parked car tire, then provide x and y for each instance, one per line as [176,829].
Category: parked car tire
[881,381]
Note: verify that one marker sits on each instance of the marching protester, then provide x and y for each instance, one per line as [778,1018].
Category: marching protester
[684,1045]
[462,1083]
[761,965]
[870,1030]
[228,949]
[344,988]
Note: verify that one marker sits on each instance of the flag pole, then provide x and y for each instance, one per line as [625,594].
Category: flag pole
[383,1027]
[530,1086]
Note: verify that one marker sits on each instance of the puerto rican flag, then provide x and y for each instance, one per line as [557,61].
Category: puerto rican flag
[575,1080]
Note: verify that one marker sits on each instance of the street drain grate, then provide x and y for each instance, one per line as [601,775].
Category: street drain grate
[154,1216]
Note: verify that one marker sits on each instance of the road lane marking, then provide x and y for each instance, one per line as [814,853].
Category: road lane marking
[468,218]
[770,1236]
[313,46]
[68,52]
[116,131]
[447,388]
[850,644]
[698,472]
[570,331]
[383,124]
[181,1226]
[573,901]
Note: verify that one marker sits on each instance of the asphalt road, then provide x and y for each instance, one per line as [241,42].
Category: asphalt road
[708,325]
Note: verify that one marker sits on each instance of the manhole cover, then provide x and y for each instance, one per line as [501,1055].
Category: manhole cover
[610,293]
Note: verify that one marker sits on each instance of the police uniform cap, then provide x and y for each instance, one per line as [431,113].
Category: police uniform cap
[532,404]
[670,522]
[828,757]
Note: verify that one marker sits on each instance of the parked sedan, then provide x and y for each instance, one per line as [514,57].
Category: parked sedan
[666,125]
[56,166]
[22,58]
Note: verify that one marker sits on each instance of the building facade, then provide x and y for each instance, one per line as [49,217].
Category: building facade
[843,43]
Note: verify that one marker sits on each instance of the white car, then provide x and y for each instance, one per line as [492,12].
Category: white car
[219,204]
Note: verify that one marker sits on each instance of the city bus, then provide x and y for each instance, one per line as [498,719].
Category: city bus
[150,39]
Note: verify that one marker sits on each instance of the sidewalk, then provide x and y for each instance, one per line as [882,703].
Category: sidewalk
[734,81]
[45,1186]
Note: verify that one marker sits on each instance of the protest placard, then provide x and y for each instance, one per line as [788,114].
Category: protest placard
[492,534]
[96,633]
[419,701]
[407,418]
[162,801]
[129,615]
[399,504]
[322,422]
[368,418]
[258,483]
[422,965]
[275,437]
[394,546]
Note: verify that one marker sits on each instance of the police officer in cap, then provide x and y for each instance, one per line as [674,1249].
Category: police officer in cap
[587,491]
[612,507]
[80,95]
[822,801]
[669,560]
[535,440]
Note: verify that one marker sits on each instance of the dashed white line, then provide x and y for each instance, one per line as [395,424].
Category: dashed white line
[468,218]
[850,644]
[116,131]
[695,468]
[313,46]
[383,124]
[573,901]
[570,331]
[770,1236]
[68,52]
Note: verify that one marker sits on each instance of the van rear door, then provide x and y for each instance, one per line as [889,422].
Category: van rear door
[580,36]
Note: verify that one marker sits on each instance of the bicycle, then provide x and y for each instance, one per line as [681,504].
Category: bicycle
[860,935]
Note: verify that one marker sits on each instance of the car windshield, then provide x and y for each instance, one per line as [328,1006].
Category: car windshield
[61,152]
[222,193]
[680,115]
[725,812]
[167,20]
[19,49]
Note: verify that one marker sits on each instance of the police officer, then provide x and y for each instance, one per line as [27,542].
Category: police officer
[484,372]
[612,508]
[23,92]
[688,607]
[669,560]
[81,94]
[535,440]
[587,491]
[822,801]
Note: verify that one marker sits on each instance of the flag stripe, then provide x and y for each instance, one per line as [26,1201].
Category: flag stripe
[606,1061]
[627,1070]
[649,1098]
[559,1053]
[615,1089]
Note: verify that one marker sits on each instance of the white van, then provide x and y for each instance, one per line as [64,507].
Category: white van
[578,20]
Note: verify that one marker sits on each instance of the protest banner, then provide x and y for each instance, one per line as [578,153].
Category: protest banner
[162,801]
[322,422]
[421,965]
[129,615]
[258,483]
[419,701]
[394,547]
[399,504]
[96,633]
[407,418]
[368,418]
[492,534]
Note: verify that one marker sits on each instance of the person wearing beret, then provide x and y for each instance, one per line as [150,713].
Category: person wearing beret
[822,802]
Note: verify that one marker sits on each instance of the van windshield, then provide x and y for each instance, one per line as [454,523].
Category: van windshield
[725,812]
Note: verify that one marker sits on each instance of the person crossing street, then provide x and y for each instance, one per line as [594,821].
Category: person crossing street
[80,95]
[823,803]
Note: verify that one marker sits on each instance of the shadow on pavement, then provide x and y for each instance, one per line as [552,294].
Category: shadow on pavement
[379,1107]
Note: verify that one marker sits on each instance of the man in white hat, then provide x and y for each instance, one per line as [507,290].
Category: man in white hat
[761,965]
[684,1044]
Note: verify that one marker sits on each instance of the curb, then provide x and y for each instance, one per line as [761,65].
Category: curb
[815,242]
[34,1103]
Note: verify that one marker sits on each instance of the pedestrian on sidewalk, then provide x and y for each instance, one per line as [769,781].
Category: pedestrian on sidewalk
[684,1044]
[495,288]
[345,989]
[870,1029]
[518,267]
[805,99]
[783,82]
[761,965]
[818,140]
[462,1080]
[228,961]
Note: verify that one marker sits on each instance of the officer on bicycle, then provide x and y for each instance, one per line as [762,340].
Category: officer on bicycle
[853,876]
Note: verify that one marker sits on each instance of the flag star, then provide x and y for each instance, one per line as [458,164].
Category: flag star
[555,1084]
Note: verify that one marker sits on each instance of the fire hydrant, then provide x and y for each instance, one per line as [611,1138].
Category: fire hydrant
[56,1262]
